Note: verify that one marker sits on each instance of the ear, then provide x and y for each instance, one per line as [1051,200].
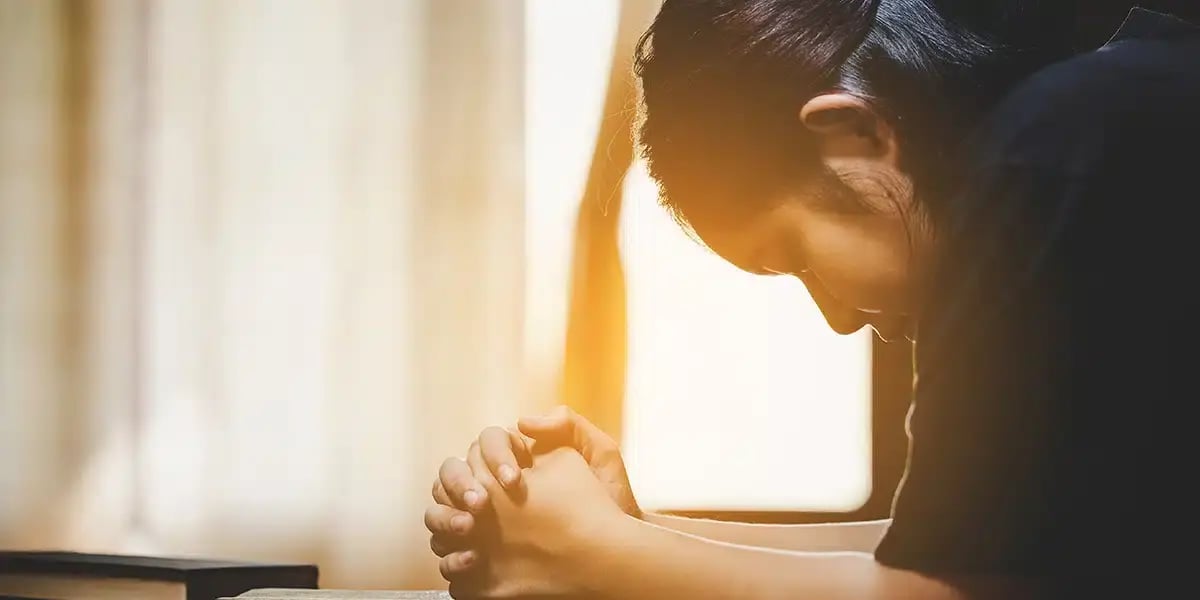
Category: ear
[849,128]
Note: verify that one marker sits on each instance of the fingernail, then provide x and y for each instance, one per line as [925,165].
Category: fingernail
[508,475]
[473,499]
[460,523]
[468,557]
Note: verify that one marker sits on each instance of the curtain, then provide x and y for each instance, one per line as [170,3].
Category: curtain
[261,269]
[593,380]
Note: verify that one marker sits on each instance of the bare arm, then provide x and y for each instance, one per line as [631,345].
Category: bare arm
[860,536]
[656,562]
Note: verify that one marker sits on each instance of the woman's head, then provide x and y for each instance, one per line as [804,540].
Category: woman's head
[813,137]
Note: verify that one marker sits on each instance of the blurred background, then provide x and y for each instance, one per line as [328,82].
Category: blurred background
[264,264]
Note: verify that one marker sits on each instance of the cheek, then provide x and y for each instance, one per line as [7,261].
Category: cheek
[861,260]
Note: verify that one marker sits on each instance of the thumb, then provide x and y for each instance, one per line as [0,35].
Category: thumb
[563,426]
[555,425]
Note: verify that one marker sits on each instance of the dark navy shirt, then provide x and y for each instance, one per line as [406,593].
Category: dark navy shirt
[1053,429]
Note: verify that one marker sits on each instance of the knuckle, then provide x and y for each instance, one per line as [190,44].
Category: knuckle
[603,444]
[610,458]
[607,448]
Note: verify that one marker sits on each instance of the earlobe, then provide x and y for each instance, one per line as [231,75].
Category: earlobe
[848,127]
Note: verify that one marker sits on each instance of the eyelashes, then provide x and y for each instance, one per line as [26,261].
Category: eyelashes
[792,272]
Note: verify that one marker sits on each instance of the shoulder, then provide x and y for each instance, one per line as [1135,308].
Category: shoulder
[1094,106]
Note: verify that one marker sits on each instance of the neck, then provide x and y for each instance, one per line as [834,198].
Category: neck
[922,252]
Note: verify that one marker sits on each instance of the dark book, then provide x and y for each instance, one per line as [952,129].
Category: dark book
[285,594]
[76,576]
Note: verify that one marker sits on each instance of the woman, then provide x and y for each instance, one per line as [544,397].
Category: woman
[956,174]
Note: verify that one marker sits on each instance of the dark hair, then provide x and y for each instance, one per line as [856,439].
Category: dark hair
[723,81]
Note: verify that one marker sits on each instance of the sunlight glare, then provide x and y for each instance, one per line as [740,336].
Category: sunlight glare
[739,395]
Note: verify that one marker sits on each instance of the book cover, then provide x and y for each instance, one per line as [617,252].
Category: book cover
[110,576]
[286,594]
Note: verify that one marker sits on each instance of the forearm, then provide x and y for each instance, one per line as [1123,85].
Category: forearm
[820,537]
[654,562]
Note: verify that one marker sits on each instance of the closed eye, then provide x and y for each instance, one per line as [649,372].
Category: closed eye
[758,261]
[769,271]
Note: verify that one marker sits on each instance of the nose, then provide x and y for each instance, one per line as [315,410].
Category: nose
[844,322]
[841,318]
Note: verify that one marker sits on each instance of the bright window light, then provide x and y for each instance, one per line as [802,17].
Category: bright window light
[739,396]
[569,48]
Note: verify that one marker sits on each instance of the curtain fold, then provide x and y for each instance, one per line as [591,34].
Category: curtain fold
[594,369]
[37,359]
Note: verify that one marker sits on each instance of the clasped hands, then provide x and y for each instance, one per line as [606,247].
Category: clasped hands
[530,511]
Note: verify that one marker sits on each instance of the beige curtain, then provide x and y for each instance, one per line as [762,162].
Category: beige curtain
[260,270]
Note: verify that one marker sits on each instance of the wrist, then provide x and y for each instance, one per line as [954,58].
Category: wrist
[605,552]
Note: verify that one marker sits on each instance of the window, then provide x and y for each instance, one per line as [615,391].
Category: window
[739,397]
